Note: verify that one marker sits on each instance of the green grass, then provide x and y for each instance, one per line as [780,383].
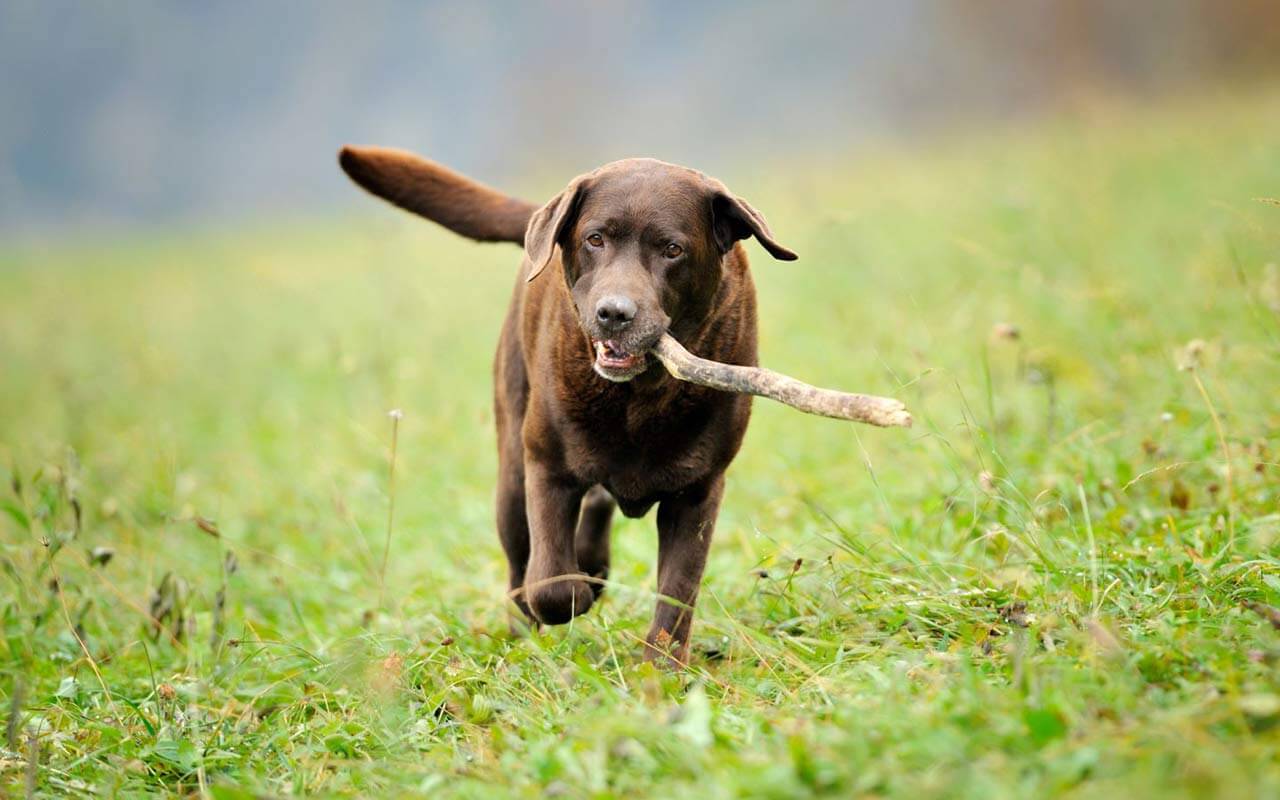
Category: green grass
[1040,590]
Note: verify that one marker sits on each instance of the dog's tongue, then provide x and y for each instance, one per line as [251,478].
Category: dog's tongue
[611,354]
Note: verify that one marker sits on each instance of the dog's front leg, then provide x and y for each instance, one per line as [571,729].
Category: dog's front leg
[685,524]
[551,586]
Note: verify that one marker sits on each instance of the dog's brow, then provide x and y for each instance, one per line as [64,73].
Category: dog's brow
[613,225]
[662,233]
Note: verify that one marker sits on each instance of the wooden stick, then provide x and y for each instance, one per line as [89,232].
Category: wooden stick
[683,365]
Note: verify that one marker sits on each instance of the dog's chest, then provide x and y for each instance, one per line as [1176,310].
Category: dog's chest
[641,448]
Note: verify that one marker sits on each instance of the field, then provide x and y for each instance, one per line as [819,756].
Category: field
[1059,583]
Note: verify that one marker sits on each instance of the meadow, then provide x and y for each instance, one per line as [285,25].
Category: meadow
[1061,582]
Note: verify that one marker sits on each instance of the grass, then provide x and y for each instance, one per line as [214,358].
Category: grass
[1055,585]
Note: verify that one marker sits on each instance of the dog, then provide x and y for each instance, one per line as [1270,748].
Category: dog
[587,420]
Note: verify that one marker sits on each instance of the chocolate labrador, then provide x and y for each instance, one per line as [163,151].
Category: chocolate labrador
[587,419]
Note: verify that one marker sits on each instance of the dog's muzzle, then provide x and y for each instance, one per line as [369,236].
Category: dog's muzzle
[615,362]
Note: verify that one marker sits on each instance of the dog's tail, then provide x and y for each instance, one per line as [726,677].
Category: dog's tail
[441,195]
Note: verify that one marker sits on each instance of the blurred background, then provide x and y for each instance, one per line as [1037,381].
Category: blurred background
[1051,228]
[126,114]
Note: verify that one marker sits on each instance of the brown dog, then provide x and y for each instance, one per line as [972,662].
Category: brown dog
[586,418]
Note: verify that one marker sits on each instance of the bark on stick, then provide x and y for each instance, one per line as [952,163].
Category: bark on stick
[683,365]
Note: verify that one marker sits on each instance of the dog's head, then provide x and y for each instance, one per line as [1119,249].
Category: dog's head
[643,244]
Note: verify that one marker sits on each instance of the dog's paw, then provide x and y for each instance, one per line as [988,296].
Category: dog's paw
[555,601]
[601,577]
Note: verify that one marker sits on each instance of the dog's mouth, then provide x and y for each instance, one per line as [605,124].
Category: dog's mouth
[615,362]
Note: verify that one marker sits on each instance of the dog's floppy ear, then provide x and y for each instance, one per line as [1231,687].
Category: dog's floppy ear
[732,218]
[548,224]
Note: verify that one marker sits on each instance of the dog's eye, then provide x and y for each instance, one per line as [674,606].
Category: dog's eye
[673,251]
[595,240]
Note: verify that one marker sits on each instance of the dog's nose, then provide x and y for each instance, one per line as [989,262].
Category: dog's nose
[615,312]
